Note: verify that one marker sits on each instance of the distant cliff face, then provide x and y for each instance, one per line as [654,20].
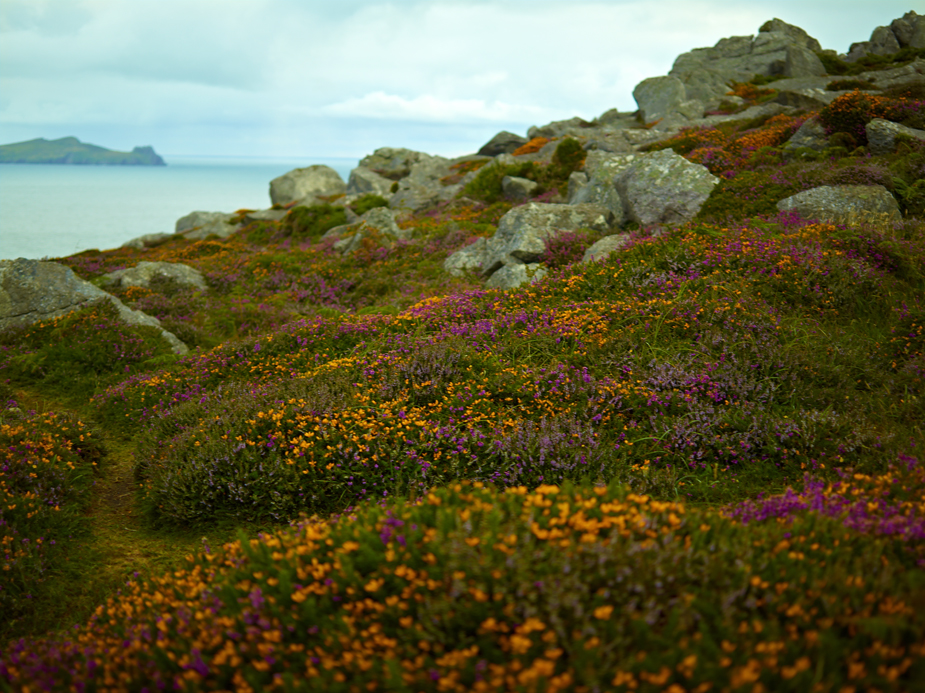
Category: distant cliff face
[70,150]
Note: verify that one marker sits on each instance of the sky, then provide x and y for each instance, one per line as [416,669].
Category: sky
[340,78]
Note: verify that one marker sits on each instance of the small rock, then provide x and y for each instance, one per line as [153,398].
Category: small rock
[144,272]
[882,134]
[604,247]
[467,260]
[843,204]
[518,188]
[512,276]
[307,185]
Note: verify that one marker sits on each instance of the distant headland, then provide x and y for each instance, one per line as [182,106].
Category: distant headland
[70,150]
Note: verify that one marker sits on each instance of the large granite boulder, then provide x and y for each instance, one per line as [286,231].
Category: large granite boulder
[512,276]
[602,169]
[522,232]
[602,249]
[423,186]
[363,181]
[779,49]
[393,163]
[198,225]
[844,204]
[658,97]
[517,188]
[33,291]
[664,188]
[503,143]
[467,260]
[907,31]
[882,135]
[144,273]
[307,186]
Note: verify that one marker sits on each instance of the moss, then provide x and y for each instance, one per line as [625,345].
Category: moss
[486,186]
[312,222]
[368,202]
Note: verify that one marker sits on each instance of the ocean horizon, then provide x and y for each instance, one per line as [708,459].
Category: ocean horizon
[54,210]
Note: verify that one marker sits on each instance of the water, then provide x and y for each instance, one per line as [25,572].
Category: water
[51,210]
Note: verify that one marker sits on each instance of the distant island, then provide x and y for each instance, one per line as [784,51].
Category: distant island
[70,150]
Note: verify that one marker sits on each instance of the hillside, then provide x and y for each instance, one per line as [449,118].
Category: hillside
[70,150]
[632,403]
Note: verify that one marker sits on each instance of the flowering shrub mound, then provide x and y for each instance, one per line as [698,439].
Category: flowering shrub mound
[471,589]
[47,464]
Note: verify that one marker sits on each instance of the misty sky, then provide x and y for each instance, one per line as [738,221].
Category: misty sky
[304,78]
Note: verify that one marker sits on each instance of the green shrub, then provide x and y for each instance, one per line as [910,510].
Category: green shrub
[312,222]
[486,186]
[368,202]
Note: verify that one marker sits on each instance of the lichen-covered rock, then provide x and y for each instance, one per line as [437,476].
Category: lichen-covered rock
[393,163]
[467,260]
[843,204]
[379,222]
[198,225]
[882,135]
[664,188]
[512,276]
[518,188]
[602,249]
[503,142]
[306,185]
[522,232]
[33,291]
[363,181]
[659,96]
[424,187]
[909,30]
[602,169]
[145,272]
[810,135]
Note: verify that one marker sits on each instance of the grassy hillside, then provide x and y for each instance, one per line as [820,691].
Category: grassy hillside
[695,466]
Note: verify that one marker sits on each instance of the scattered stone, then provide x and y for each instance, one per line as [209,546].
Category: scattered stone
[33,291]
[664,188]
[604,247]
[503,142]
[307,186]
[149,240]
[512,276]
[198,225]
[467,260]
[145,272]
[882,134]
[839,204]
[518,188]
[522,232]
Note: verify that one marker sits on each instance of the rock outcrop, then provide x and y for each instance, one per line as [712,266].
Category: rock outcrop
[503,143]
[882,135]
[307,186]
[599,185]
[148,240]
[33,291]
[378,223]
[144,273]
[512,276]
[198,225]
[844,204]
[602,249]
[907,31]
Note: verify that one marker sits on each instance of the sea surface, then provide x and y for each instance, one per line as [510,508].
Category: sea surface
[54,210]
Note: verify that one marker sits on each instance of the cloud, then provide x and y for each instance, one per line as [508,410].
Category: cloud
[426,107]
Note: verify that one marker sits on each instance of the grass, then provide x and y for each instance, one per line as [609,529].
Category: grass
[696,465]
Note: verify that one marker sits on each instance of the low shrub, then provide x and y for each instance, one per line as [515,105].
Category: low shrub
[368,202]
[311,222]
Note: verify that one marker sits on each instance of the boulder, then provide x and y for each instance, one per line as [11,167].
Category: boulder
[659,96]
[810,135]
[149,240]
[307,185]
[503,142]
[577,180]
[795,33]
[909,30]
[882,134]
[423,186]
[512,276]
[522,232]
[602,169]
[145,272]
[378,222]
[664,188]
[844,204]
[467,260]
[198,225]
[363,181]
[32,291]
[392,163]
[604,247]
[518,188]
[560,128]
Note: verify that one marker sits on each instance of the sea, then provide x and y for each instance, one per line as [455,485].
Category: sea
[53,210]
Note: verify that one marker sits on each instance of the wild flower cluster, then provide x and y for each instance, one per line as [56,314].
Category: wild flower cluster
[47,464]
[851,112]
[472,589]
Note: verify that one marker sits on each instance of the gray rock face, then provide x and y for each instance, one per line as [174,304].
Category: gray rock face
[604,247]
[843,204]
[306,185]
[518,188]
[559,128]
[198,225]
[522,232]
[145,272]
[577,180]
[422,187]
[795,33]
[392,163]
[882,134]
[659,96]
[512,276]
[810,135]
[503,142]
[907,31]
[363,181]
[32,291]
[664,188]
[602,169]
[467,260]
[379,221]
[706,72]
[149,240]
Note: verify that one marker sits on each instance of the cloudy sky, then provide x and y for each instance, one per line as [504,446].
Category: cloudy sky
[339,78]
